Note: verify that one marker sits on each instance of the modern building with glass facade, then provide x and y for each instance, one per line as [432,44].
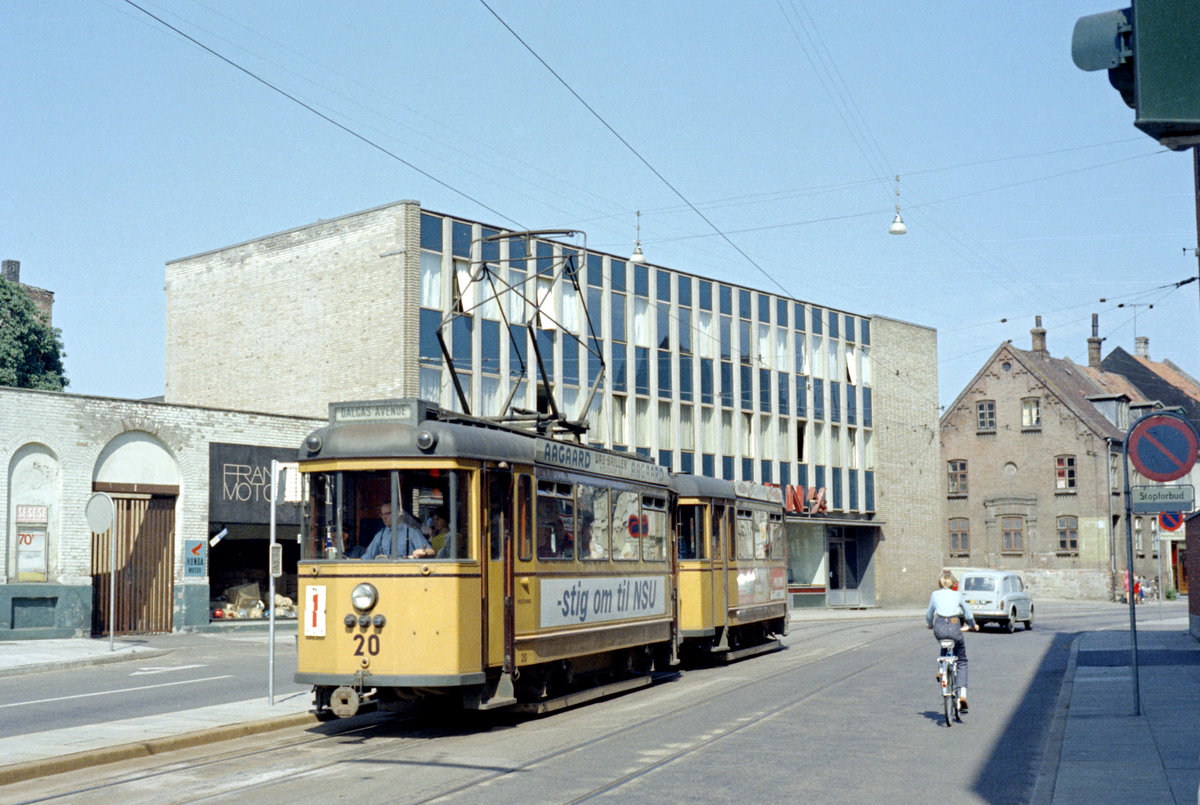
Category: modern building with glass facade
[702,375]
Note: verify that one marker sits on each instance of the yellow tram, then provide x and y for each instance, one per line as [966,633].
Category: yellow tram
[732,567]
[552,580]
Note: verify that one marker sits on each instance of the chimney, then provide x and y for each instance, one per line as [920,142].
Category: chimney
[1094,343]
[11,270]
[1039,338]
[1141,346]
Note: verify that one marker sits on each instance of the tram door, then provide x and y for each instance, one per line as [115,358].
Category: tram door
[499,499]
[719,577]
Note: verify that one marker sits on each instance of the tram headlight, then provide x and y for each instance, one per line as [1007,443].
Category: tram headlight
[426,440]
[364,597]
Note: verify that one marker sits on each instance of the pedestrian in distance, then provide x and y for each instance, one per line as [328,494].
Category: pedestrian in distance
[948,615]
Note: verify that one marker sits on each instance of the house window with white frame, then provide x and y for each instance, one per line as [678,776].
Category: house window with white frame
[985,415]
[1031,412]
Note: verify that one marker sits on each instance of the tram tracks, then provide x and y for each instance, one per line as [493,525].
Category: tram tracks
[274,769]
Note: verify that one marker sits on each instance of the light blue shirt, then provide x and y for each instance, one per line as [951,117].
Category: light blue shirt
[947,603]
[381,544]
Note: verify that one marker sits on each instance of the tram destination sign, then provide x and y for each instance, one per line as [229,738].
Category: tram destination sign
[574,457]
[1172,498]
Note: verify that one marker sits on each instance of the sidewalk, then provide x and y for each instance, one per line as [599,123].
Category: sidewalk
[54,751]
[1098,750]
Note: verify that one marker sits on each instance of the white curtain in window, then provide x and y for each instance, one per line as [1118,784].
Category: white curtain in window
[865,366]
[767,438]
[597,432]
[431,384]
[516,304]
[868,450]
[747,435]
[766,350]
[801,355]
[727,440]
[641,321]
[467,291]
[785,440]
[818,357]
[545,304]
[835,369]
[666,428]
[641,423]
[489,396]
[571,401]
[852,447]
[687,428]
[820,452]
[835,447]
[781,357]
[571,317]
[619,433]
[708,431]
[851,366]
[431,280]
[708,340]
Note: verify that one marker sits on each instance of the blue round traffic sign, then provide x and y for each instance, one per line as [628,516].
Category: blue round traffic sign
[1170,521]
[1163,447]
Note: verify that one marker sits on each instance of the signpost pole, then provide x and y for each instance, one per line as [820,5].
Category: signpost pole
[1137,694]
[1159,550]
[271,586]
[100,513]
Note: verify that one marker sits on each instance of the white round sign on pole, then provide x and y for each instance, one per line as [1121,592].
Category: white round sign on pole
[100,512]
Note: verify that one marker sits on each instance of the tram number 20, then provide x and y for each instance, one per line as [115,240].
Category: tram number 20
[366,644]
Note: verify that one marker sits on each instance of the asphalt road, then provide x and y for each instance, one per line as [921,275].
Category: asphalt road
[849,712]
[198,670]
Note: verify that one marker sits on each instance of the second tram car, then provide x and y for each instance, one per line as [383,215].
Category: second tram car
[446,555]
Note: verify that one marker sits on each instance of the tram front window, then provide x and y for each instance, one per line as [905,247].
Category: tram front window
[388,514]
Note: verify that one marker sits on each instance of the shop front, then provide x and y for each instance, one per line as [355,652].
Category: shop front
[831,563]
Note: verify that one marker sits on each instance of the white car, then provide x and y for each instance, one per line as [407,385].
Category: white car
[997,596]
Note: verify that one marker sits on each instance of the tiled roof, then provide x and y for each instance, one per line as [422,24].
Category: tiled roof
[1072,384]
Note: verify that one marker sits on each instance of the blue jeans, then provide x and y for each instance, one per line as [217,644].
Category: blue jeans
[951,629]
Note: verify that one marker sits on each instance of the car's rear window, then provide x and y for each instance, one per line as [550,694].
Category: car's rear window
[979,584]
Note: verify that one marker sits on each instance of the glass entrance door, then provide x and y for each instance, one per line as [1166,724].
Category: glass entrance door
[843,571]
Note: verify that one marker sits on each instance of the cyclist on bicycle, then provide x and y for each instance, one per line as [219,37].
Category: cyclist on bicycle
[946,613]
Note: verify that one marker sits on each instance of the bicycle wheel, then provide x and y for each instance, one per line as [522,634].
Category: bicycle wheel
[953,688]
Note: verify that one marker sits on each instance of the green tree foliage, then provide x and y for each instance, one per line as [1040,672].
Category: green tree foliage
[31,351]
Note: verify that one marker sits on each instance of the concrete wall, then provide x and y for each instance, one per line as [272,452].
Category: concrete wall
[320,309]
[53,446]
[908,491]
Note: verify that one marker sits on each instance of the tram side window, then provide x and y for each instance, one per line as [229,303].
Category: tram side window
[594,518]
[500,513]
[555,521]
[525,518]
[718,516]
[776,545]
[762,535]
[746,529]
[626,527]
[654,522]
[691,533]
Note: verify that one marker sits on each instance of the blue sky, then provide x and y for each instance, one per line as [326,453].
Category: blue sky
[1024,185]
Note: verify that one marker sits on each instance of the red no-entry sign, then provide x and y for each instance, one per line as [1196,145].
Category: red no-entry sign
[1163,447]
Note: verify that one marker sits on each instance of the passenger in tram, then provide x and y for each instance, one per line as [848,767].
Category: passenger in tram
[444,541]
[410,541]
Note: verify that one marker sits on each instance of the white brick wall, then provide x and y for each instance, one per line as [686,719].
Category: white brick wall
[908,493]
[321,309]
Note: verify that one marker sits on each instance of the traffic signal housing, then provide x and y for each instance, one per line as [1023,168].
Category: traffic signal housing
[1152,53]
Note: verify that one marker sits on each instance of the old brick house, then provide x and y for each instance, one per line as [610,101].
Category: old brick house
[1032,453]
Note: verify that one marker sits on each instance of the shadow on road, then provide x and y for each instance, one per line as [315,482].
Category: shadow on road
[1011,771]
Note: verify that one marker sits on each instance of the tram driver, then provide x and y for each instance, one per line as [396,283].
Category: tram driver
[409,542]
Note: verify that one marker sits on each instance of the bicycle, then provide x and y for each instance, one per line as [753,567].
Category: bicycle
[948,675]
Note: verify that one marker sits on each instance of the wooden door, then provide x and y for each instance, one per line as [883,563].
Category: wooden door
[144,531]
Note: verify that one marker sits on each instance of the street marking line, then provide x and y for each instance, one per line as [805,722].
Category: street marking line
[121,690]
[162,669]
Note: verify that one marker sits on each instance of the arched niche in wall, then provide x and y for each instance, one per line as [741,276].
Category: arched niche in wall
[135,461]
[34,512]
